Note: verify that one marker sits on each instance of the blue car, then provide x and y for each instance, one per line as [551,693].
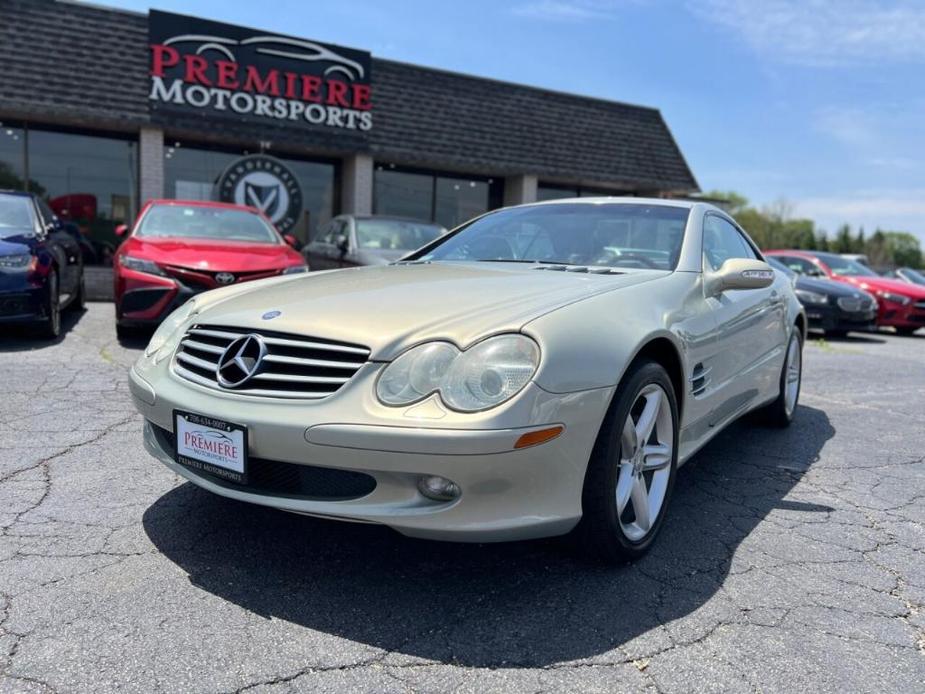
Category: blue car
[41,266]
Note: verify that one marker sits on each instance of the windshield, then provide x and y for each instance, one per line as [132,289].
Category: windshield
[395,234]
[843,266]
[15,216]
[198,222]
[914,275]
[620,235]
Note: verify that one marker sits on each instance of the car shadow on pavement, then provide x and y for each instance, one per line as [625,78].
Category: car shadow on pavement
[27,338]
[524,604]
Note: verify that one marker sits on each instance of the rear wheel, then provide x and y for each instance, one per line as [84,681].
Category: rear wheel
[780,412]
[51,325]
[836,333]
[632,468]
[906,332]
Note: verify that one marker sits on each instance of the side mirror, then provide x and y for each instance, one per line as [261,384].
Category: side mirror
[343,245]
[292,241]
[121,230]
[739,273]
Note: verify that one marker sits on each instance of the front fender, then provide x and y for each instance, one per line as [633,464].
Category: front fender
[590,344]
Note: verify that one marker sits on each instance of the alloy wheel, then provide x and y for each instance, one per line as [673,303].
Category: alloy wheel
[794,372]
[646,450]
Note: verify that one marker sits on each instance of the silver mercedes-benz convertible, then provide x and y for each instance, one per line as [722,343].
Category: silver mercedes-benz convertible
[540,370]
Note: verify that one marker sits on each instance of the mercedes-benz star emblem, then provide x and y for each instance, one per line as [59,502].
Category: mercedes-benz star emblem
[240,361]
[224,278]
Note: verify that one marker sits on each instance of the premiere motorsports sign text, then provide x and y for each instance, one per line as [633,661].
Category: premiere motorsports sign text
[199,67]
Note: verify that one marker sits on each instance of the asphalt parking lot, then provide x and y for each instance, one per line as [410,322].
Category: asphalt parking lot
[790,561]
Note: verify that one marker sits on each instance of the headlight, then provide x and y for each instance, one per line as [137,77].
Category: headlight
[294,269]
[169,326]
[895,298]
[808,297]
[20,261]
[140,265]
[483,376]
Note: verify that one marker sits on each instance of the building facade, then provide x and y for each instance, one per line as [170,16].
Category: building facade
[112,108]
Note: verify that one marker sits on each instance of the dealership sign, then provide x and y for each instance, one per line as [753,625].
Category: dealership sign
[208,68]
[265,183]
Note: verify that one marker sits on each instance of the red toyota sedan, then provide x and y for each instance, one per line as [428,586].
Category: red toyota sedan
[179,248]
[901,305]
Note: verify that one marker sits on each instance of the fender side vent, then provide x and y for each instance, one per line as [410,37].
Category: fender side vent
[700,379]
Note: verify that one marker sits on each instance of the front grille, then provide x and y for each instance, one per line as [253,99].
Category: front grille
[141,299]
[276,478]
[295,366]
[920,304]
[853,304]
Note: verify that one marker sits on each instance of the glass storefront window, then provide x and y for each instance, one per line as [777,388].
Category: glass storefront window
[12,158]
[190,173]
[404,194]
[89,181]
[549,191]
[458,200]
[446,200]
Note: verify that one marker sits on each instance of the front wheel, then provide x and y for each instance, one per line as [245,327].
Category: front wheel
[51,325]
[906,332]
[780,412]
[632,468]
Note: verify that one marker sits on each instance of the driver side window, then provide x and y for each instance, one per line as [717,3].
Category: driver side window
[722,241]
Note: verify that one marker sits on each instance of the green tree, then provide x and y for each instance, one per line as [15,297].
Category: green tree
[877,250]
[904,248]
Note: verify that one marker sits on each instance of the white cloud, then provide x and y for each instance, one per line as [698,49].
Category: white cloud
[897,210]
[850,126]
[824,32]
[567,10]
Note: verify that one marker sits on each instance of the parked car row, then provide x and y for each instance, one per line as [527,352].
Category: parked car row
[177,249]
[900,303]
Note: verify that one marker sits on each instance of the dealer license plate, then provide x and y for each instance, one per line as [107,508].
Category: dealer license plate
[211,445]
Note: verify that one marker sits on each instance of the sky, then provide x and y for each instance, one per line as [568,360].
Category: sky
[819,103]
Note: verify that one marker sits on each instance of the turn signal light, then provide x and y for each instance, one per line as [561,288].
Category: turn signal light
[535,438]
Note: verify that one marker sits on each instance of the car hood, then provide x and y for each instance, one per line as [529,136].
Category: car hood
[213,256]
[393,307]
[827,287]
[886,284]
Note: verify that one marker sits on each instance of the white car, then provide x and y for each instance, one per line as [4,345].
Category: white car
[540,370]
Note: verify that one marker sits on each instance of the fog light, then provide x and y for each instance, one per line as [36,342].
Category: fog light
[438,488]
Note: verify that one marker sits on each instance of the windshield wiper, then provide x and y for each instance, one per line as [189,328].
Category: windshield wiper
[516,260]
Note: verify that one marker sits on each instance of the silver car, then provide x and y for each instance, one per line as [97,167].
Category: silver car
[350,240]
[540,370]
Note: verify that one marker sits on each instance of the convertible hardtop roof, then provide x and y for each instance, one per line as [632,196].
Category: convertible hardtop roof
[624,200]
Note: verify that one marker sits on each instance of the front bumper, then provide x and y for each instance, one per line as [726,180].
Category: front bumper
[896,315]
[23,305]
[829,317]
[507,494]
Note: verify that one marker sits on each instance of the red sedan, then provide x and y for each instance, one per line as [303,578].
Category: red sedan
[901,305]
[179,248]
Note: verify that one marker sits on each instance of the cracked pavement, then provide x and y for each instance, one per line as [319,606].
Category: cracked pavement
[790,560]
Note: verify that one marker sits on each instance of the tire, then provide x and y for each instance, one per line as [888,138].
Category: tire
[906,332]
[50,327]
[79,302]
[612,531]
[124,332]
[780,412]
[836,333]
